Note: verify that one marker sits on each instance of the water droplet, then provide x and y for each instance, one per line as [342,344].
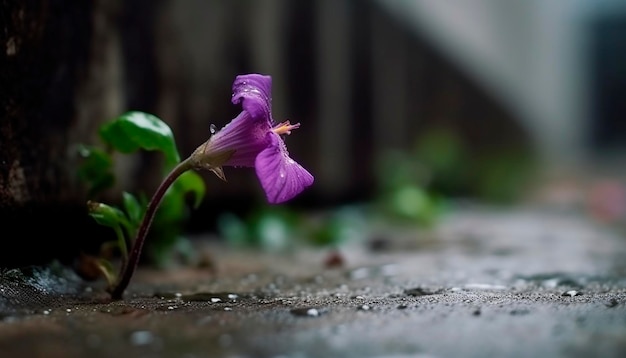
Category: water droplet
[46,312]
[141,338]
[359,273]
[364,308]
[307,312]
[68,310]
[171,307]
[550,283]
[483,286]
[212,128]
[313,312]
[228,309]
[212,297]
[9,319]
[572,293]
[389,270]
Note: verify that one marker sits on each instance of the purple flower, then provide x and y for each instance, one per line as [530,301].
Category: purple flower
[253,140]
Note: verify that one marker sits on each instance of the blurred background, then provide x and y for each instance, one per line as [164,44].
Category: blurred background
[404,102]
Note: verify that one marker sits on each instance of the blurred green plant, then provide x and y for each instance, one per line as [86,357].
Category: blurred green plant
[129,133]
[276,229]
[417,185]
[268,228]
[490,174]
[502,176]
[442,166]
[402,194]
[444,157]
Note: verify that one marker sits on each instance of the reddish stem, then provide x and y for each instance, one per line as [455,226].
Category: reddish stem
[126,273]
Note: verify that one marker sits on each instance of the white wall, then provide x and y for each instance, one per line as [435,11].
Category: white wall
[528,53]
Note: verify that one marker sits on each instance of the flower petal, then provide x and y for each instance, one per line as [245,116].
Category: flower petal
[280,176]
[244,135]
[254,92]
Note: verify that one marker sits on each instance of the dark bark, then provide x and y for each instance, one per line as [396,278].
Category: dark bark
[45,51]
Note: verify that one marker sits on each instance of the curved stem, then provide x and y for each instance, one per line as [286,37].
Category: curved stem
[129,267]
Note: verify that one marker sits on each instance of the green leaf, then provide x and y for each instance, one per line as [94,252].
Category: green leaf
[138,130]
[95,169]
[173,211]
[191,182]
[105,215]
[173,208]
[134,210]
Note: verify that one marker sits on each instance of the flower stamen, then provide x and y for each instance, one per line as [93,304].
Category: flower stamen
[285,128]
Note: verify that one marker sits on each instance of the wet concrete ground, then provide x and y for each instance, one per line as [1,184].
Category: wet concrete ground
[484,283]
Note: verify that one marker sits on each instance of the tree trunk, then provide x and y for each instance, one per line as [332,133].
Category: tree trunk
[46,55]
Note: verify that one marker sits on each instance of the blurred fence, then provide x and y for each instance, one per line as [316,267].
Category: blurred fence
[358,81]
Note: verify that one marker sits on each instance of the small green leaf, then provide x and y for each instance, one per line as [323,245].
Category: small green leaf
[138,130]
[134,210]
[105,215]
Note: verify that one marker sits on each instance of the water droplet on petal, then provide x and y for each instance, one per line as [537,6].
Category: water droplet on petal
[212,128]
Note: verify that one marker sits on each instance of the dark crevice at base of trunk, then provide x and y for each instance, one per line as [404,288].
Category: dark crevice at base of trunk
[40,234]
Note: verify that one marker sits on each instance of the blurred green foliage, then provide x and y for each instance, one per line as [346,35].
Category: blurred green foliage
[417,185]
[402,193]
[273,228]
[129,133]
[267,227]
[454,168]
